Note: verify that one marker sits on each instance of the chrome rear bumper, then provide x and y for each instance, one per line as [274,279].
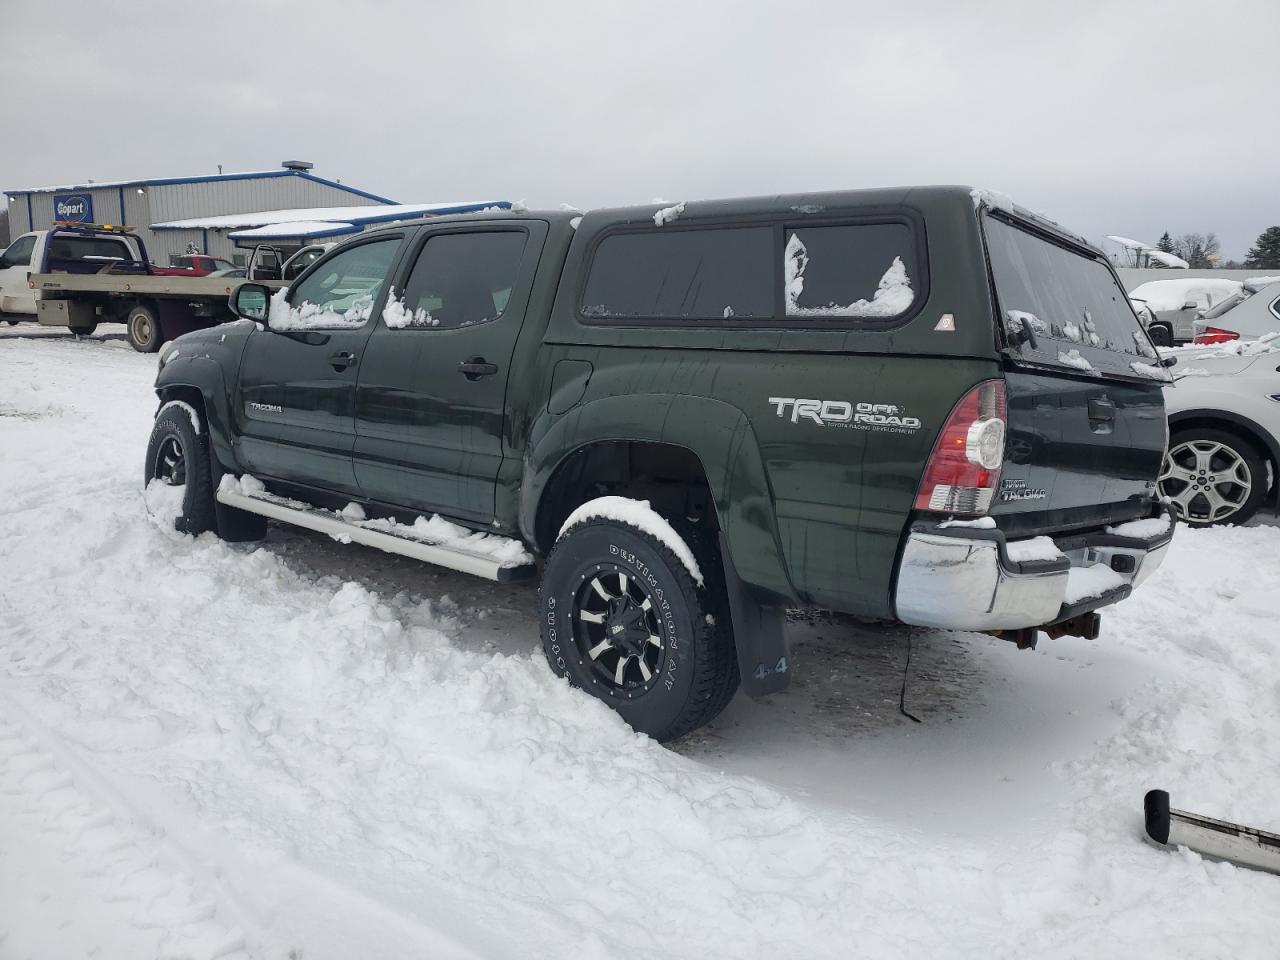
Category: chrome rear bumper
[962,578]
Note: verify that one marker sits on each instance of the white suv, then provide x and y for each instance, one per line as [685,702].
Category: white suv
[1224,431]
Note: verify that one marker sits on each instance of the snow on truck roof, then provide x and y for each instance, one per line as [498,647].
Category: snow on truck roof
[351,217]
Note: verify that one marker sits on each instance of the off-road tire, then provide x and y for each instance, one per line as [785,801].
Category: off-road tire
[143,329]
[697,673]
[174,425]
[1253,461]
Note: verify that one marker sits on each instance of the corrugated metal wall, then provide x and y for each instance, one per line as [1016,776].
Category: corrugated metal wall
[144,205]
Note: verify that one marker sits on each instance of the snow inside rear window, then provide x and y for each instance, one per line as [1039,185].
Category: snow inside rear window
[859,270]
[1072,303]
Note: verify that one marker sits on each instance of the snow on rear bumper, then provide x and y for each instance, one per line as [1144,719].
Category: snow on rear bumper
[962,578]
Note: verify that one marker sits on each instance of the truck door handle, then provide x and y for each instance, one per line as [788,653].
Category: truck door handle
[1102,409]
[341,360]
[476,367]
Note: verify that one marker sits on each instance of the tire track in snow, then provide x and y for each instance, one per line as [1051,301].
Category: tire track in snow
[137,879]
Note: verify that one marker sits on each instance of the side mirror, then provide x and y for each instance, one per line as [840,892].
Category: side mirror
[1190,305]
[1168,361]
[251,301]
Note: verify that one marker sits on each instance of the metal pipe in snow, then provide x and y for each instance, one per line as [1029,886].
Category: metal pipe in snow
[1218,839]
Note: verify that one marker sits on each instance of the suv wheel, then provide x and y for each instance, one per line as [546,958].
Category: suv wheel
[143,329]
[623,619]
[1160,335]
[1212,477]
[178,457]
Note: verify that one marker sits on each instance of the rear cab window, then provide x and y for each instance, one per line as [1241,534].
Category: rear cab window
[1079,314]
[757,274]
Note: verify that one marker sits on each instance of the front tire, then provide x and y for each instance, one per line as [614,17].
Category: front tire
[623,619]
[178,456]
[143,329]
[1213,477]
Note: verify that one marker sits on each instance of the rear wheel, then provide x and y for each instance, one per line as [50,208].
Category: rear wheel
[143,329]
[624,619]
[12,323]
[85,330]
[1160,335]
[1213,477]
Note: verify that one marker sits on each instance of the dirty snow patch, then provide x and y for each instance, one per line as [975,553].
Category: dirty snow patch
[638,514]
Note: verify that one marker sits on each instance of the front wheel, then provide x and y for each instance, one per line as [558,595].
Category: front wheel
[143,329]
[177,477]
[1212,477]
[624,619]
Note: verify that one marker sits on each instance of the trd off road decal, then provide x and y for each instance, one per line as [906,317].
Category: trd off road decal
[880,417]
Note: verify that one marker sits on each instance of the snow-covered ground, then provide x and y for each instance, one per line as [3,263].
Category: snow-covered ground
[297,748]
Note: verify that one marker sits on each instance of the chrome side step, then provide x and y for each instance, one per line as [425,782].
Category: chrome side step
[442,555]
[1217,839]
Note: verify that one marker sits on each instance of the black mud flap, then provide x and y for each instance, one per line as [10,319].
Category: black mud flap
[1216,839]
[758,634]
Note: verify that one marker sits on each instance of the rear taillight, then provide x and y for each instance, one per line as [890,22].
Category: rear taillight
[1215,335]
[963,469]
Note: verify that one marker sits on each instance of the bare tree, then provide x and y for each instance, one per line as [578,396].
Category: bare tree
[1200,250]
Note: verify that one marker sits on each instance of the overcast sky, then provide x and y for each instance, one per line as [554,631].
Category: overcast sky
[1111,117]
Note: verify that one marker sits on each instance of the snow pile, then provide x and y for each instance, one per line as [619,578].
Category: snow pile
[437,531]
[309,316]
[668,214]
[638,514]
[1166,295]
[1036,548]
[397,315]
[990,198]
[164,502]
[1085,583]
[1142,529]
[1150,370]
[981,523]
[1018,317]
[893,294]
[1072,358]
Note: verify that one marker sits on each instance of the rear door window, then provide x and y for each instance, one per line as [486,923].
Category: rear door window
[861,271]
[710,273]
[1079,314]
[458,280]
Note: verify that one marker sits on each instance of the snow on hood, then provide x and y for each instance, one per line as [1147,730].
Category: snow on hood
[1163,295]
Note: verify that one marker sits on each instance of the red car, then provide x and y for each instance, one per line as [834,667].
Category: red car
[193,265]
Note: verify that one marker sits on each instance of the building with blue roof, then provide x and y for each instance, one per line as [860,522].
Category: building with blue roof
[147,203]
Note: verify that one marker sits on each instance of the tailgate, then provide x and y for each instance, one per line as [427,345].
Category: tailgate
[1086,419]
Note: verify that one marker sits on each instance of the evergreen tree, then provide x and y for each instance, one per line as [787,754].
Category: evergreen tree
[1265,254]
[1165,243]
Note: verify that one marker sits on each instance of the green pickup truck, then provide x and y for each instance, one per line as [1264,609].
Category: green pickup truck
[927,405]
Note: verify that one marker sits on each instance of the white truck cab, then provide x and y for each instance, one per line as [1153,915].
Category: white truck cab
[27,255]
